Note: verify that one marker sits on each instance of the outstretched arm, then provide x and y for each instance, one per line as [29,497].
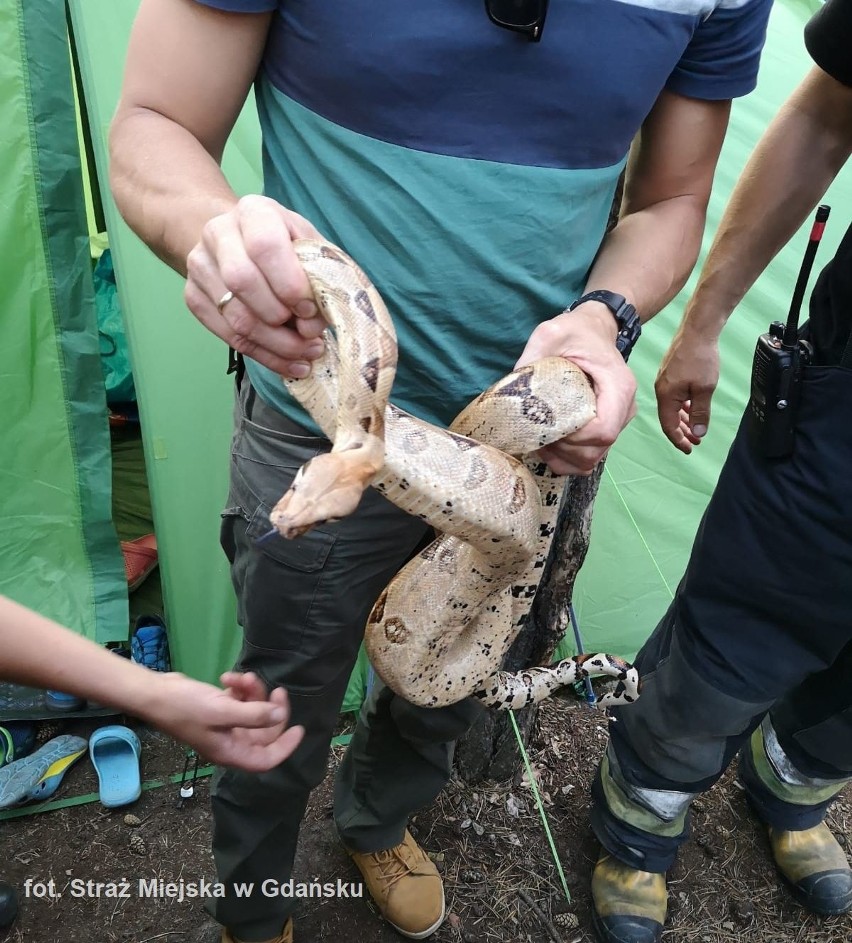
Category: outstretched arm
[647,258]
[241,726]
[799,155]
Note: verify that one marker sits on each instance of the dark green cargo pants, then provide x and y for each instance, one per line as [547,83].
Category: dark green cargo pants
[303,605]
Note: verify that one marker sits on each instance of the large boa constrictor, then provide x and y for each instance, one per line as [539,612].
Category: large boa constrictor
[440,629]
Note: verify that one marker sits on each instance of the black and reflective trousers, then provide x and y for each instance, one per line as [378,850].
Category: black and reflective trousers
[754,655]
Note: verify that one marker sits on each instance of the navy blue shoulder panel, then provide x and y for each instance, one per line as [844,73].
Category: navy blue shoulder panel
[440,77]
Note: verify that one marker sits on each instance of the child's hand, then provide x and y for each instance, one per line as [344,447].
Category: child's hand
[240,726]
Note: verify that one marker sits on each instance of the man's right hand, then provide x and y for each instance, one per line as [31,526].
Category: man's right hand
[586,337]
[272,316]
[688,376]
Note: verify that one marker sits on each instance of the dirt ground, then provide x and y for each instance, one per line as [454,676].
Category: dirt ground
[501,881]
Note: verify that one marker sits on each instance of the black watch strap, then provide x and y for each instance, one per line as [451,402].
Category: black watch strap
[629,325]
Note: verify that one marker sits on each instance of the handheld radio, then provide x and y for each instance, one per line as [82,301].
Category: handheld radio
[777,367]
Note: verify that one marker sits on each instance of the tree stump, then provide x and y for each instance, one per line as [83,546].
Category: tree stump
[490,749]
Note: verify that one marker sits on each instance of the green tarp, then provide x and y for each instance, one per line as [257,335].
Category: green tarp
[184,397]
[651,498]
[58,548]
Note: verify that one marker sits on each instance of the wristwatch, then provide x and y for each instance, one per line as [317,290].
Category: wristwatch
[629,325]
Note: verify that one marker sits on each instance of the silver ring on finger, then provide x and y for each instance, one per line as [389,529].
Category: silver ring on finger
[220,304]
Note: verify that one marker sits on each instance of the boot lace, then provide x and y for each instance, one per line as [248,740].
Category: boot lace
[391,866]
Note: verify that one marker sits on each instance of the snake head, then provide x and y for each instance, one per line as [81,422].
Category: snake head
[326,488]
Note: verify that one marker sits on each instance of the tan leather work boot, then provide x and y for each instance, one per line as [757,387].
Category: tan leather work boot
[406,887]
[286,935]
[815,868]
[629,906]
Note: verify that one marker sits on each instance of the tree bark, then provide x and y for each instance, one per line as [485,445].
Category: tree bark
[490,749]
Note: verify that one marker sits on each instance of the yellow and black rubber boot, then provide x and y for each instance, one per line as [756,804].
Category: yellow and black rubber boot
[628,905]
[815,869]
[286,935]
[810,860]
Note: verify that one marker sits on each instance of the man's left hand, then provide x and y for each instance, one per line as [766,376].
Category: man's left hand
[586,336]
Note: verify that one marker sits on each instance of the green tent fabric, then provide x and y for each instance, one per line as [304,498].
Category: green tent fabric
[651,498]
[183,394]
[58,548]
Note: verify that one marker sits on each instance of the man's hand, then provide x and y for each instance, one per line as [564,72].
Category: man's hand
[272,316]
[687,378]
[240,726]
[586,336]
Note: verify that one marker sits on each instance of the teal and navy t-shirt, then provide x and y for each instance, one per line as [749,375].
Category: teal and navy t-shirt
[469,171]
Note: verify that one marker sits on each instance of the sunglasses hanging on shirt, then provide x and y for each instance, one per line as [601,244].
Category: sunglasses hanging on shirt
[521,16]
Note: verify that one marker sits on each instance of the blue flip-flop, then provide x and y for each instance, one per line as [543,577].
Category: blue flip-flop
[114,751]
[38,776]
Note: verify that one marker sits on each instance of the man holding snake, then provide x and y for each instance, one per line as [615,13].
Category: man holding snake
[466,156]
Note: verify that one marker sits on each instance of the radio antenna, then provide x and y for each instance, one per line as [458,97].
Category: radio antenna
[791,329]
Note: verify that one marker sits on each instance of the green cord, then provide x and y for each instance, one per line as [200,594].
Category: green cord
[51,806]
[95,797]
[638,531]
[541,812]
[530,775]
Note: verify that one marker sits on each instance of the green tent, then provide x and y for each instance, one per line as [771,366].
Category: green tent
[60,551]
[58,548]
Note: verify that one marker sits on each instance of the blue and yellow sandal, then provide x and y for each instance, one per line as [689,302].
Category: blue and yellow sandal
[37,777]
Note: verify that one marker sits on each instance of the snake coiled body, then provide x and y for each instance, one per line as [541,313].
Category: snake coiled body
[439,631]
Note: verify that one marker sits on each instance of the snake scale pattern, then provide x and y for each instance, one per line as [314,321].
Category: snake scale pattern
[439,631]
